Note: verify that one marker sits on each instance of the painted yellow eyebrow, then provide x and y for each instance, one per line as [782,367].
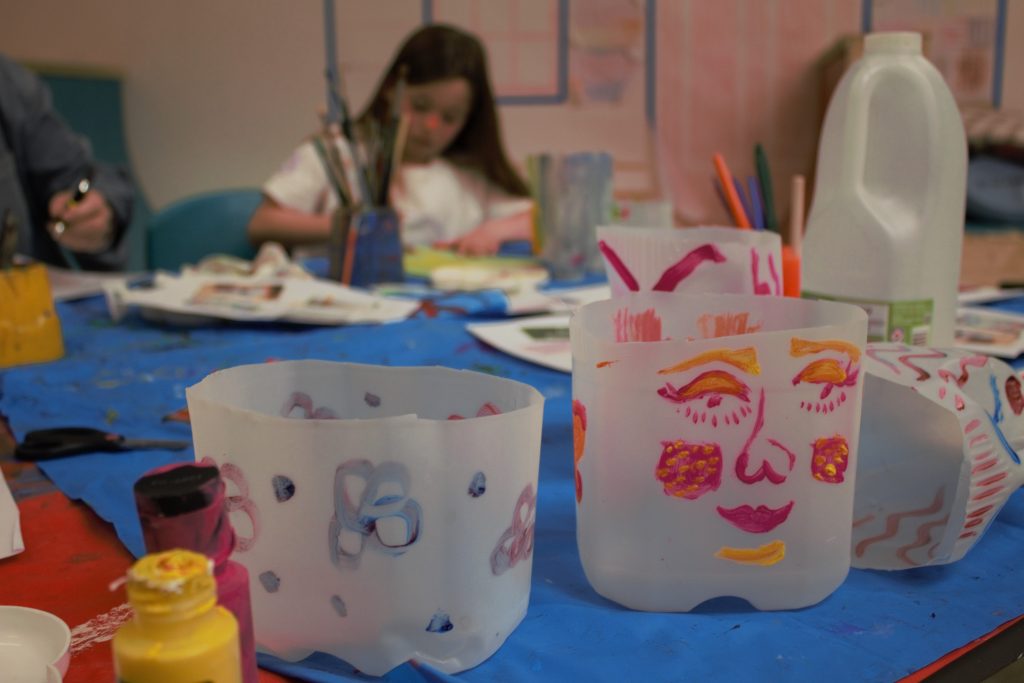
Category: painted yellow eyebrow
[805,347]
[744,359]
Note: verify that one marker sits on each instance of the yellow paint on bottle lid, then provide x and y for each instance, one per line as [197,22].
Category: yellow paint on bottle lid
[179,634]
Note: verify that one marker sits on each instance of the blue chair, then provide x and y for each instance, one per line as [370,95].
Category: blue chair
[200,225]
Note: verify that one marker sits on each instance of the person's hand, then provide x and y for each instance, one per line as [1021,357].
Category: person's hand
[86,227]
[478,242]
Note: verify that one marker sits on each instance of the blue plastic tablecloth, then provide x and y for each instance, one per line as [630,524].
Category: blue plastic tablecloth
[878,626]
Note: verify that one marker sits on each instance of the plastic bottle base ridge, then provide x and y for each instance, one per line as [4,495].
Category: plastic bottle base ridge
[667,594]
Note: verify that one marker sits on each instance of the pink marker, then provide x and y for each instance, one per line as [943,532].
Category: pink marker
[182,506]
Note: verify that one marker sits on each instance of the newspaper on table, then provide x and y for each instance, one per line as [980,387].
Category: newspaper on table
[994,333]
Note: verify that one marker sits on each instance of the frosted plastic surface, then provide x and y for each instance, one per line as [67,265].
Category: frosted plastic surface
[384,514]
[691,260]
[940,452]
[887,219]
[715,446]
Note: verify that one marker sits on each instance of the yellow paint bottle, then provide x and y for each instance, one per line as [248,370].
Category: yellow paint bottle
[179,633]
[29,327]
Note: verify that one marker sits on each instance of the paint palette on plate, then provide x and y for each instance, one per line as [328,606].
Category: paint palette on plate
[384,514]
[941,444]
[715,441]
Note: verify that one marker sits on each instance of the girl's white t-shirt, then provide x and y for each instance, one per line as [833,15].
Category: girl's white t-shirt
[437,201]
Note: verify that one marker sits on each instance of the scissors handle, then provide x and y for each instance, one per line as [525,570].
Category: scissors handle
[45,444]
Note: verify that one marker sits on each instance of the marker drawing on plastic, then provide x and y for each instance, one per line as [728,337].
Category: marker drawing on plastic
[579,438]
[672,276]
[516,543]
[354,525]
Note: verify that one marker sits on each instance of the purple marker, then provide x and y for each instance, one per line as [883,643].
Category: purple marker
[755,200]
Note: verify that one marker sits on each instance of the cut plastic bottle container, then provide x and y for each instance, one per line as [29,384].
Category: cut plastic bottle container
[886,224]
[715,442]
[942,440]
[691,261]
[384,514]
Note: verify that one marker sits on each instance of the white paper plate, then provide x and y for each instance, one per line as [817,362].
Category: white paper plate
[472,277]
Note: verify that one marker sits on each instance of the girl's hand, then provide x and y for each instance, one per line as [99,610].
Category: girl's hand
[486,239]
[481,241]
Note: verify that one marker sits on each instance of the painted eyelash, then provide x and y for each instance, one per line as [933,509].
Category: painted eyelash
[698,416]
[821,407]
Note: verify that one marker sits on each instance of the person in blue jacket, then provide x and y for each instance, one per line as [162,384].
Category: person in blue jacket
[42,161]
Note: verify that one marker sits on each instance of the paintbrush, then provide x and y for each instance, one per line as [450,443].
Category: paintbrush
[345,125]
[82,187]
[391,133]
[398,149]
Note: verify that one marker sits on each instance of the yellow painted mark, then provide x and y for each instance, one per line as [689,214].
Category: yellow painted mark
[804,347]
[823,371]
[765,555]
[744,359]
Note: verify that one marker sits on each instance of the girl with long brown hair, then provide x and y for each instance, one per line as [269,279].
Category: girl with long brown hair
[454,188]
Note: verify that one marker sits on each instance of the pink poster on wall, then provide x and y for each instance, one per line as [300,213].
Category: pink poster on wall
[734,74]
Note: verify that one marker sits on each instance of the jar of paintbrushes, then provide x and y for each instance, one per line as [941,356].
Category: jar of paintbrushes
[365,238]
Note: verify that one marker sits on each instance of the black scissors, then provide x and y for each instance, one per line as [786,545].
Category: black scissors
[44,444]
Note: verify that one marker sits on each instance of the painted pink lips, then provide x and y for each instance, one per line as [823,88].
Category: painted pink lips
[756,520]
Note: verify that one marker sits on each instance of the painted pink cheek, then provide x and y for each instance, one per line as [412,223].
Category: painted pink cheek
[830,459]
[689,470]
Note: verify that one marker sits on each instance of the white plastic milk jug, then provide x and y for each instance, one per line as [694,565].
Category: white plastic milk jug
[886,225]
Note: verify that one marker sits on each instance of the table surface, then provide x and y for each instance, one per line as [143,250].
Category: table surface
[878,626]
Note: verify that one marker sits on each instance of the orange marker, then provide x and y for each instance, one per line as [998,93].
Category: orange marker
[350,249]
[729,187]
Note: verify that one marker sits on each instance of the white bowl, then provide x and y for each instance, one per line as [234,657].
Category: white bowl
[32,640]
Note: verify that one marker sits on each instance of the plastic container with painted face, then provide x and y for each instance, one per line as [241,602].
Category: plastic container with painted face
[715,443]
[384,514]
[691,260]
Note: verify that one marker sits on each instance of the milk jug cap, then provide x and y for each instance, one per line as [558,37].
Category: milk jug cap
[892,43]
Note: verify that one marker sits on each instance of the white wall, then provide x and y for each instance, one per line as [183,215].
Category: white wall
[218,92]
[1013,58]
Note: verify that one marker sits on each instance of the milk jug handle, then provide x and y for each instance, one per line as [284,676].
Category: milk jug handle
[858,105]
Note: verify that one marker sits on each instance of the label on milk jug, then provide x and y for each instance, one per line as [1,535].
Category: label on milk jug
[907,322]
